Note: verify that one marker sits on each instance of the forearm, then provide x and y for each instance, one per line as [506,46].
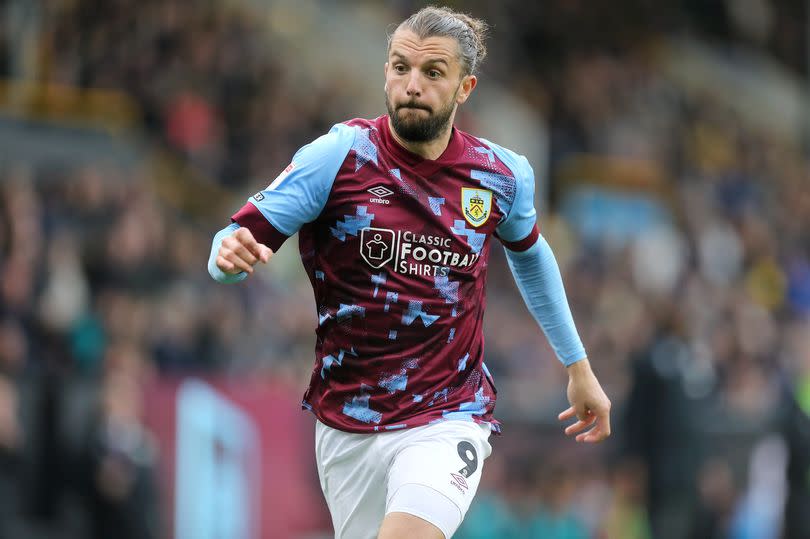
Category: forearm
[219,275]
[538,278]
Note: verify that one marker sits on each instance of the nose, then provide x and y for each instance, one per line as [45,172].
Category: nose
[414,88]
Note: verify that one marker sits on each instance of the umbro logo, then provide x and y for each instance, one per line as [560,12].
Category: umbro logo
[380,192]
[459,482]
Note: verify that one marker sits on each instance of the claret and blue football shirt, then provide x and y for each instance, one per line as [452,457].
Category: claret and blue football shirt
[396,249]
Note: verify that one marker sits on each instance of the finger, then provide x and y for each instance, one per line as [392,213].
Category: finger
[597,434]
[265,252]
[241,250]
[247,254]
[241,264]
[567,414]
[580,425]
[225,265]
[604,422]
[238,262]
[244,237]
[600,432]
[254,248]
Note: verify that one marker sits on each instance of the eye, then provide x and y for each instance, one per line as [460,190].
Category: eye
[434,73]
[400,68]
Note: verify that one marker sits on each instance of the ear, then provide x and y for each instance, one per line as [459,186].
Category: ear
[468,84]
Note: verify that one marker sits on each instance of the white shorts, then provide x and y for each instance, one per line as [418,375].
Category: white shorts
[431,472]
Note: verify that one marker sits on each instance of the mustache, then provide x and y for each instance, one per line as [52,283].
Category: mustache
[414,105]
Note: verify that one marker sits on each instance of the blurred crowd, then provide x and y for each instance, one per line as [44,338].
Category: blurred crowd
[697,320]
[206,77]
[698,324]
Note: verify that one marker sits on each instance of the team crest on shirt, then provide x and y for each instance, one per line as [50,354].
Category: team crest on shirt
[476,205]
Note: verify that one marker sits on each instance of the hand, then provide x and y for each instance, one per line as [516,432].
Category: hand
[588,403]
[240,252]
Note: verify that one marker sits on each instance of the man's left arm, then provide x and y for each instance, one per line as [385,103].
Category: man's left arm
[538,278]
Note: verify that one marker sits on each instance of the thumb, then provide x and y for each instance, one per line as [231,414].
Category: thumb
[583,412]
[265,252]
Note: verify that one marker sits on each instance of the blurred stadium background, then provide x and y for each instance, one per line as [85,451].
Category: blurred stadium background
[138,399]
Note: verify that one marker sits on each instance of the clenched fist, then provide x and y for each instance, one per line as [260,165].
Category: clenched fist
[240,252]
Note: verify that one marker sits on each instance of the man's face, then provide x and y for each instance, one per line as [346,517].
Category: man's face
[423,85]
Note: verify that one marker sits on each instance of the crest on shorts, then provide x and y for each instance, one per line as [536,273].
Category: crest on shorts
[476,205]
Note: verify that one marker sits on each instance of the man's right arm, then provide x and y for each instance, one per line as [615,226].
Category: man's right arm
[297,196]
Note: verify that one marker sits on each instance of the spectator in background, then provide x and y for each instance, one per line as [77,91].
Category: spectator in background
[117,464]
[626,517]
[796,430]
[555,514]
[662,428]
[11,445]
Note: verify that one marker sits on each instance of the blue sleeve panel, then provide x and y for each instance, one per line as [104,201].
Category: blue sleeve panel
[298,195]
[538,277]
[522,217]
[219,275]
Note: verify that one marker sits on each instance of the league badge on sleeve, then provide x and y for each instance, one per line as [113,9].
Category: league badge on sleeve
[280,177]
[476,205]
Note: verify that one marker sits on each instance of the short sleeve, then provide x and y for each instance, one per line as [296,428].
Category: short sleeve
[298,195]
[518,231]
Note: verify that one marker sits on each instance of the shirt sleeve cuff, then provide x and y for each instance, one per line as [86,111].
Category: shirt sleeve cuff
[251,218]
[524,244]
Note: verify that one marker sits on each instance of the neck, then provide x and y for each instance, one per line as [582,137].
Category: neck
[431,149]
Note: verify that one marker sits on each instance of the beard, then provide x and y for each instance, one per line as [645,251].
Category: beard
[414,126]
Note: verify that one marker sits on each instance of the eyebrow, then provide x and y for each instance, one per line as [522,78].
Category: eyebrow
[428,61]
